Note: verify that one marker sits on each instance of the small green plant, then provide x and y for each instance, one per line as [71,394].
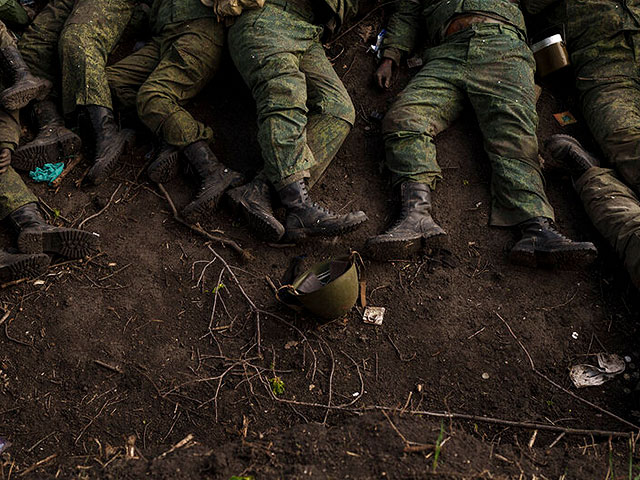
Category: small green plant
[56,213]
[218,288]
[236,477]
[465,183]
[436,454]
[277,385]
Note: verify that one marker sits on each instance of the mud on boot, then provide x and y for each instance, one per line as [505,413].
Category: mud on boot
[166,165]
[253,200]
[53,140]
[14,266]
[110,142]
[305,218]
[24,86]
[414,229]
[541,245]
[35,235]
[215,179]
[567,152]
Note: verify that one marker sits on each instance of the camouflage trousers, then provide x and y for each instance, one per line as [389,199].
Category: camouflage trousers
[492,67]
[13,193]
[6,38]
[304,110]
[69,42]
[161,77]
[608,79]
[614,209]
[11,11]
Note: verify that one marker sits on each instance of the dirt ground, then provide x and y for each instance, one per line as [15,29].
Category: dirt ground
[148,361]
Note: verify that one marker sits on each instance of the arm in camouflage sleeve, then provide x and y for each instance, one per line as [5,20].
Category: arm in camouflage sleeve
[402,30]
[536,6]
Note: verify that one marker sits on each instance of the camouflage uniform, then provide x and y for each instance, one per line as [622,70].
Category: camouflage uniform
[160,78]
[74,38]
[603,38]
[13,192]
[12,12]
[492,66]
[304,110]
[615,211]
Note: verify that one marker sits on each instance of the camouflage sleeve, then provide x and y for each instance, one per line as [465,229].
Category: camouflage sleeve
[534,7]
[402,30]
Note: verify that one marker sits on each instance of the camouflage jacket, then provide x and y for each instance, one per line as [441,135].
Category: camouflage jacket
[342,10]
[164,12]
[587,21]
[434,17]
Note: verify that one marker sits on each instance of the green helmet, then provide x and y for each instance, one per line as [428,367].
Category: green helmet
[328,289]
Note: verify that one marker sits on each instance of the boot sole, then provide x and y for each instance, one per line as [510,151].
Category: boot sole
[100,172]
[562,260]
[400,249]
[299,234]
[202,210]
[28,158]
[21,98]
[67,242]
[166,170]
[259,224]
[29,266]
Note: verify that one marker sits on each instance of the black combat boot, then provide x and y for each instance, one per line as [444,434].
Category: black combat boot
[254,201]
[53,140]
[542,245]
[14,266]
[567,151]
[165,167]
[306,218]
[215,179]
[35,235]
[110,142]
[413,230]
[24,86]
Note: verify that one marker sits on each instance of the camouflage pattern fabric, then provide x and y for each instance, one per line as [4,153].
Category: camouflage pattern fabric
[277,51]
[608,79]
[492,67]
[433,17]
[9,129]
[13,193]
[161,77]
[614,209]
[6,38]
[72,39]
[12,12]
[167,12]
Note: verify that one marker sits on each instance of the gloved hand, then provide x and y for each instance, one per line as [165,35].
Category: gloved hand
[5,160]
[384,74]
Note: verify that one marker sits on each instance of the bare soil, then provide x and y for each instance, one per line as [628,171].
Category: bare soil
[108,363]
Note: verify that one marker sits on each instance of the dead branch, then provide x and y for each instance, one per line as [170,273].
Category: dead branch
[38,464]
[245,255]
[102,210]
[70,166]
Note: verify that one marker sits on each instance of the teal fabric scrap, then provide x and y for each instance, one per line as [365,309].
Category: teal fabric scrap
[47,173]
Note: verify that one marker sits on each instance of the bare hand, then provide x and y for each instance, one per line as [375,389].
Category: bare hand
[5,159]
[384,74]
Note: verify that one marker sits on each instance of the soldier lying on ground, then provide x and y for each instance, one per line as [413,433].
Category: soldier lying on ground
[304,113]
[68,43]
[603,37]
[479,52]
[612,206]
[160,78]
[17,203]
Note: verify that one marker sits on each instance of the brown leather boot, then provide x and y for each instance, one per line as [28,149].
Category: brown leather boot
[35,235]
[14,266]
[24,86]
[414,228]
[54,141]
[215,179]
[305,218]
